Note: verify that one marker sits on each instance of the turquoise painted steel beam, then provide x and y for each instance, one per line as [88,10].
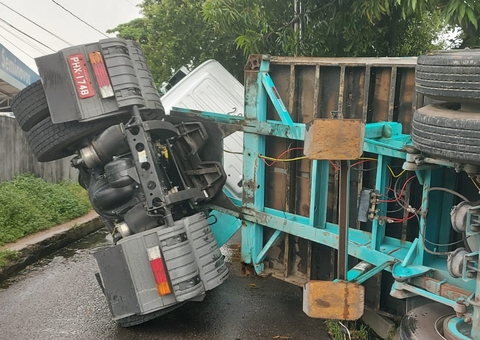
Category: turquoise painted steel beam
[422,292]
[274,238]
[421,253]
[378,130]
[275,98]
[378,229]
[392,147]
[412,253]
[371,273]
[381,148]
[359,241]
[319,194]
[225,229]
[253,168]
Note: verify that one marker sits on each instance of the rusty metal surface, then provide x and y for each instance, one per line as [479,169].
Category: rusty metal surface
[392,61]
[333,300]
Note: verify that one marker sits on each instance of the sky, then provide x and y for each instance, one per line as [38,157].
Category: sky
[101,14]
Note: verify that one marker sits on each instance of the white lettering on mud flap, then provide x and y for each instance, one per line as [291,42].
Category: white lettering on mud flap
[80,76]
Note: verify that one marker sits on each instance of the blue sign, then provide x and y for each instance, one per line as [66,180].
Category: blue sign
[14,71]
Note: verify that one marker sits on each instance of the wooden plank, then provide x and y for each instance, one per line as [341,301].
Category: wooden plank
[339,139]
[333,300]
[392,93]
[341,92]
[366,93]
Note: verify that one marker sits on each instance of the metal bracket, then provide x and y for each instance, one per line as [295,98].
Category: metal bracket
[470,266]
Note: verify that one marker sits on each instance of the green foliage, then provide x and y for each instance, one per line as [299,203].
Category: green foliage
[7,256]
[357,332]
[29,204]
[330,28]
[173,34]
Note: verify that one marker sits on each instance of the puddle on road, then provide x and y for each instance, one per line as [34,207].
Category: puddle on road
[89,244]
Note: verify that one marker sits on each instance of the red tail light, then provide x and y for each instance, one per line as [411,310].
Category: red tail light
[159,272]
[101,74]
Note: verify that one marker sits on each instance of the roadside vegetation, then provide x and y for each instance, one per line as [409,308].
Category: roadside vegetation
[29,204]
[355,331]
[7,256]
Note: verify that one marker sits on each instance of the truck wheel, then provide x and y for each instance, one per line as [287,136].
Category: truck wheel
[452,75]
[30,106]
[135,320]
[425,322]
[444,131]
[50,141]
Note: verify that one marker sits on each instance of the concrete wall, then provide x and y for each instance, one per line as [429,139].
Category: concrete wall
[17,158]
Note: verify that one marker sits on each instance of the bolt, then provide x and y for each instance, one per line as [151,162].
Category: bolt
[470,275]
[467,319]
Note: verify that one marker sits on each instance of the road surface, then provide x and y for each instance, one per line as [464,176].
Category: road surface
[58,298]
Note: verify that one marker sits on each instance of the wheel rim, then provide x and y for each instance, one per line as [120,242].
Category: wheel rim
[453,328]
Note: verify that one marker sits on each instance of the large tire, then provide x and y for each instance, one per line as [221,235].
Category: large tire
[442,130]
[30,106]
[421,323]
[50,141]
[452,75]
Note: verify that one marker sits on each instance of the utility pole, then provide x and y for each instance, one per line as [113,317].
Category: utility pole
[297,21]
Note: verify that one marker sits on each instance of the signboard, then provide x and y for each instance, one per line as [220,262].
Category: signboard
[14,71]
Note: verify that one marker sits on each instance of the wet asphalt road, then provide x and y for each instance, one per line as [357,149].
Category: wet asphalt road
[58,298]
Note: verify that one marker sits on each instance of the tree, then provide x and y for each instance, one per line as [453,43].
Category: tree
[173,33]
[341,27]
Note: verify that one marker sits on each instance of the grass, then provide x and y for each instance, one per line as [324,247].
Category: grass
[357,331]
[7,256]
[29,204]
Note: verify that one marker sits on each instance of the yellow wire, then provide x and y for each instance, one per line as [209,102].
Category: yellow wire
[475,183]
[388,166]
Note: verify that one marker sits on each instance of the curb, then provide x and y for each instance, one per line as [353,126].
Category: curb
[34,247]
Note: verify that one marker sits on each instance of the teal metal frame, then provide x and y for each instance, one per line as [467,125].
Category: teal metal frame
[408,262]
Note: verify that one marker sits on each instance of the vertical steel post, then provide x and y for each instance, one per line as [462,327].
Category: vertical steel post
[253,166]
[427,179]
[319,194]
[378,230]
[475,333]
[343,220]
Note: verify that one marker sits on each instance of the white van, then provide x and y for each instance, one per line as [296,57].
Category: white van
[210,87]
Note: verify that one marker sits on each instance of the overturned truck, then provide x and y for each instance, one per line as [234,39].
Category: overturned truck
[359,181]
[148,179]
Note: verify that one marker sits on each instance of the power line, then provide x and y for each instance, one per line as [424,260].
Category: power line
[18,36]
[131,3]
[1,36]
[56,36]
[2,20]
[86,23]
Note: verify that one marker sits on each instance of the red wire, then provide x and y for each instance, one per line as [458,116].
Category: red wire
[334,166]
[361,162]
[401,192]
